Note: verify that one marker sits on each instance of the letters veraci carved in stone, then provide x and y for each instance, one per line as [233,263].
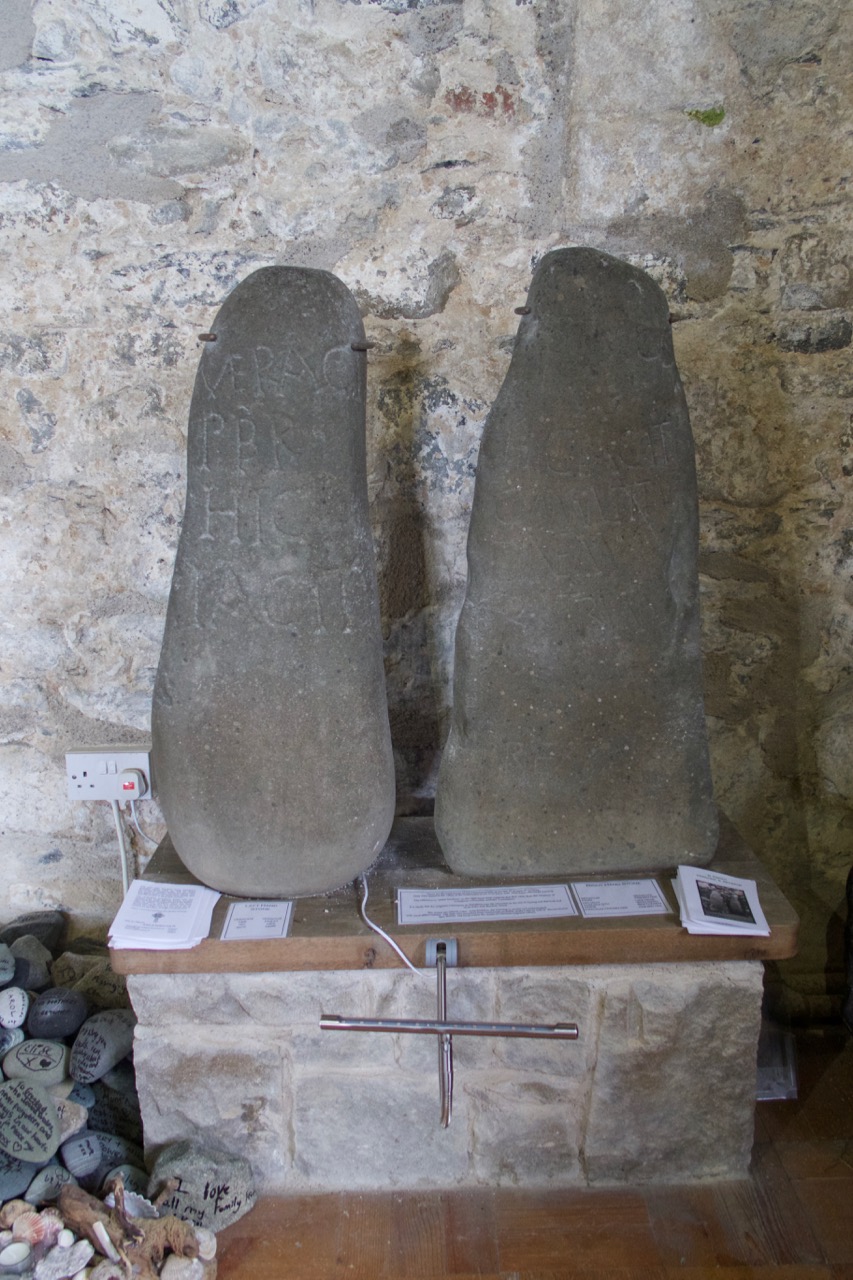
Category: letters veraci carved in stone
[578,738]
[270,728]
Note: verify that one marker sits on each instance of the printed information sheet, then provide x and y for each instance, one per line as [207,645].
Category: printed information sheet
[163,917]
[256,919]
[509,902]
[620,898]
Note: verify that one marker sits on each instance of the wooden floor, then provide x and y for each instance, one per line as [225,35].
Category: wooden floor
[792,1219]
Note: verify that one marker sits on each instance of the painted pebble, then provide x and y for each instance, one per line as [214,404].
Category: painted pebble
[37,956]
[116,1113]
[14,1005]
[57,1013]
[7,964]
[29,1125]
[47,926]
[47,1184]
[9,1037]
[43,1061]
[135,1179]
[102,1042]
[15,1176]
[215,1187]
[81,1155]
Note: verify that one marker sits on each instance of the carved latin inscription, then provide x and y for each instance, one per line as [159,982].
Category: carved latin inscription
[271,734]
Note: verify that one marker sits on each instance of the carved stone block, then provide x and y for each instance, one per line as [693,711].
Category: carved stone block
[578,737]
[271,744]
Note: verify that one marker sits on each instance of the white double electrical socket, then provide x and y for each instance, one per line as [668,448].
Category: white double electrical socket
[108,773]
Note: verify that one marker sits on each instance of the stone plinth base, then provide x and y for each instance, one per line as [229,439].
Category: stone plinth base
[660,1085]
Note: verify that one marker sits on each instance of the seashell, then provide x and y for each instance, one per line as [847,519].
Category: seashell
[135,1205]
[206,1243]
[15,1258]
[65,1239]
[60,1264]
[5,1237]
[104,1242]
[40,1230]
[106,1270]
[12,1210]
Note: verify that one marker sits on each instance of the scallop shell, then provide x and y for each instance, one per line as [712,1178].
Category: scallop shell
[137,1206]
[41,1230]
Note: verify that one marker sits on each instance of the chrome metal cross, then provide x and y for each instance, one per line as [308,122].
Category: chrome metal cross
[442,952]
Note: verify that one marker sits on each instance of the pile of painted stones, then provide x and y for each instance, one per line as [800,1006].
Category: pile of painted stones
[77,1199]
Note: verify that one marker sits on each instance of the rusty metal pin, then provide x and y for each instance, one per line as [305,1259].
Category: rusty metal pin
[207,337]
[522,311]
[362,346]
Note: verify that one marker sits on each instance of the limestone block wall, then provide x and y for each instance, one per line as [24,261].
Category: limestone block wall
[660,1085]
[154,152]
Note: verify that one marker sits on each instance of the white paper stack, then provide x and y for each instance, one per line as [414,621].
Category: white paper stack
[163,917]
[711,902]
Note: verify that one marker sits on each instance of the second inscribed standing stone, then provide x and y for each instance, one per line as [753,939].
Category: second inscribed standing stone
[578,737]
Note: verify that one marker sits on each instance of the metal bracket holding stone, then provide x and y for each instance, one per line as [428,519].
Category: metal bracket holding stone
[442,952]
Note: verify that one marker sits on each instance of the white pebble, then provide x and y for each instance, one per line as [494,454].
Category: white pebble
[177,1268]
[206,1243]
[66,1238]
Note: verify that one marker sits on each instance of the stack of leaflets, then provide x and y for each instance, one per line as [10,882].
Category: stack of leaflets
[711,902]
[163,917]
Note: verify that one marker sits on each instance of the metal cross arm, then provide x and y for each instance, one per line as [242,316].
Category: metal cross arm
[442,953]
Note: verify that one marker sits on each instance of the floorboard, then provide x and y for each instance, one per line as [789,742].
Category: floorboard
[792,1219]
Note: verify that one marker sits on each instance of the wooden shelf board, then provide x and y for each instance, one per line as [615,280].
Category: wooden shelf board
[327,932]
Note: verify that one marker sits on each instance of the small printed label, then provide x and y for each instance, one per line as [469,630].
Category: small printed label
[511,902]
[620,898]
[252,920]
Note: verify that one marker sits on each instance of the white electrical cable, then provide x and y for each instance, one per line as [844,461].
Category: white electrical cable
[376,929]
[134,817]
[125,857]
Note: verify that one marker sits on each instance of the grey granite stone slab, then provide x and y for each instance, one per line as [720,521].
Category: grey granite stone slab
[270,729]
[578,738]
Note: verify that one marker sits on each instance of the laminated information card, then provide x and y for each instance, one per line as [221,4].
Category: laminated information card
[620,898]
[255,919]
[507,902]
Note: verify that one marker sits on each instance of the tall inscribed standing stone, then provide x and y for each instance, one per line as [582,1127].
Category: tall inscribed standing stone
[578,738]
[270,727]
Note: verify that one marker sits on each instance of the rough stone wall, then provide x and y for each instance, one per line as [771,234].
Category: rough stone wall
[154,152]
[238,1060]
